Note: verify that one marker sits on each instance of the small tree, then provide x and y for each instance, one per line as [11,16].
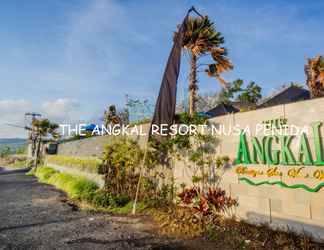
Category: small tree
[226,95]
[251,94]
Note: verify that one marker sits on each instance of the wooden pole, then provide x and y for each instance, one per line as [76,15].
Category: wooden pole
[139,180]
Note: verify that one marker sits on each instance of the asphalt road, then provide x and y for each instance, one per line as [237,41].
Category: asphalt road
[38,216]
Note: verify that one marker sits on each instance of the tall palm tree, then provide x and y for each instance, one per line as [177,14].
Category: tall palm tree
[314,70]
[200,39]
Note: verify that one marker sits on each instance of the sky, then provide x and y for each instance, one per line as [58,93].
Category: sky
[70,59]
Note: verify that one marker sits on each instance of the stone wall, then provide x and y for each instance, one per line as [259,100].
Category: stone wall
[287,208]
[93,146]
[296,209]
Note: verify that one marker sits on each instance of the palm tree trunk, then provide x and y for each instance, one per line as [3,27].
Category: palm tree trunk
[38,151]
[310,78]
[193,85]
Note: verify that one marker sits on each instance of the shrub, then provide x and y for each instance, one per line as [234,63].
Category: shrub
[104,199]
[85,164]
[120,163]
[101,199]
[120,200]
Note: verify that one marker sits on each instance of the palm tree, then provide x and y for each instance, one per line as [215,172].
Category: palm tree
[314,71]
[42,128]
[200,39]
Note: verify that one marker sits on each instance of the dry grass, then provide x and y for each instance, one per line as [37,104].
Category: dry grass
[228,233]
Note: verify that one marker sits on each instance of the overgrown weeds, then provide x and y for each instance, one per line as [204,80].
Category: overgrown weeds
[227,233]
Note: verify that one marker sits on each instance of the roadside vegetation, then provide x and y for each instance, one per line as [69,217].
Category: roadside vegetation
[83,192]
[14,158]
[90,165]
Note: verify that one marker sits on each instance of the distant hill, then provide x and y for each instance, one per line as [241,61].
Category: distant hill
[12,143]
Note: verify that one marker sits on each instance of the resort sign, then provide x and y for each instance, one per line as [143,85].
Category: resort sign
[263,152]
[269,156]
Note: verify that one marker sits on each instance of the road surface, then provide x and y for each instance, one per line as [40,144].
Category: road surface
[38,216]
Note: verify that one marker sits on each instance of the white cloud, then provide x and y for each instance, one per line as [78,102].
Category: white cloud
[12,112]
[61,110]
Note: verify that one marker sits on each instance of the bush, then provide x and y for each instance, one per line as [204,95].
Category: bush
[120,162]
[120,200]
[104,199]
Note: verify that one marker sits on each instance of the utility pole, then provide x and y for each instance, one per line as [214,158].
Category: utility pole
[33,136]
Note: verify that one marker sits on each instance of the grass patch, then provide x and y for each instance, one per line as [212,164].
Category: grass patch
[90,165]
[14,161]
[18,164]
[75,186]
[86,192]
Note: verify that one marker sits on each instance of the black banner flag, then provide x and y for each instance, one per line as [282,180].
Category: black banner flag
[166,103]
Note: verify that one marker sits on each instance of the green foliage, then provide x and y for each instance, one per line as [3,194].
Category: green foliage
[140,207]
[21,150]
[120,162]
[43,127]
[101,199]
[44,173]
[76,187]
[227,94]
[198,148]
[84,164]
[251,94]
[196,179]
[19,164]
[5,151]
[104,199]
[80,188]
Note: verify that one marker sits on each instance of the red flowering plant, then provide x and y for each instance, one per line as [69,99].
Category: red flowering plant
[214,201]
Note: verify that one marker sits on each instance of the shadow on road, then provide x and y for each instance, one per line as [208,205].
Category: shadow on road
[4,171]
[40,223]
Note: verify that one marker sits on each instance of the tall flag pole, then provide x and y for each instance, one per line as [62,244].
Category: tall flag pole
[166,103]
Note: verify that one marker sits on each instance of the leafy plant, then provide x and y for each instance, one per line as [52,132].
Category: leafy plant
[212,202]
[120,163]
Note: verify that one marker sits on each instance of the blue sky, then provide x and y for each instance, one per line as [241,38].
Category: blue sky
[70,59]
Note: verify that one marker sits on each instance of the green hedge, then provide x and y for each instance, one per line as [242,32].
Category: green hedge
[84,164]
